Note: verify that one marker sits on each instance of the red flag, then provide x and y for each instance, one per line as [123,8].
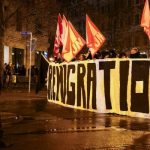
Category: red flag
[94,38]
[73,43]
[145,20]
[58,36]
[64,26]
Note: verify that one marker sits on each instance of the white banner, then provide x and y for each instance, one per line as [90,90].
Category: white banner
[119,86]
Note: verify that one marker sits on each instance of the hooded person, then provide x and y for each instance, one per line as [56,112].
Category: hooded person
[105,54]
[122,55]
[112,53]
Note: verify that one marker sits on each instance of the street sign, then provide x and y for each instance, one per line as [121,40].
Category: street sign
[25,33]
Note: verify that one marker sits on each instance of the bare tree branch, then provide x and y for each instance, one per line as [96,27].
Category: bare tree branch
[12,14]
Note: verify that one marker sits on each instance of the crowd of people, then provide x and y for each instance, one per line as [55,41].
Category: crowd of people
[9,74]
[104,54]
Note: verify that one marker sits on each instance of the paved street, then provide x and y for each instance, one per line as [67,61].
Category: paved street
[30,122]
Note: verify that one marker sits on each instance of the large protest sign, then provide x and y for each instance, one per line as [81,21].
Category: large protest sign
[119,86]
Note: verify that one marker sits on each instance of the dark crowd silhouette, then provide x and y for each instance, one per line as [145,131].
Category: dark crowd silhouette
[103,54]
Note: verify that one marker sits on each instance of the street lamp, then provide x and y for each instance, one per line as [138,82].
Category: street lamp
[26,34]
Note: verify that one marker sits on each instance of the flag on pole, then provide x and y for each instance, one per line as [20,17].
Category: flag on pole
[58,36]
[94,38]
[145,20]
[73,43]
[64,27]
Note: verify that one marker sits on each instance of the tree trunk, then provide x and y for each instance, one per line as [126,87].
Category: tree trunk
[1,56]
[1,37]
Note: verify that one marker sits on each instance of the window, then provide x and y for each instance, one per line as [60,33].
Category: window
[6,54]
[103,9]
[114,24]
[121,23]
[137,2]
[18,21]
[116,4]
[17,57]
[108,7]
[137,19]
[103,26]
[98,4]
[145,39]
[38,26]
[129,3]
[129,20]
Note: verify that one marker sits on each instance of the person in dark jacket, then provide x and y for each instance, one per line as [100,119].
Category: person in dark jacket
[59,58]
[122,55]
[112,53]
[135,53]
[88,55]
[105,54]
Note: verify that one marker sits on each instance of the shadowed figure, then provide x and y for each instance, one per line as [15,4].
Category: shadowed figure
[41,79]
[141,143]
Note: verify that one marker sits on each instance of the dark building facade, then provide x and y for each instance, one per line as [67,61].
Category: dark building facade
[118,20]
[36,16]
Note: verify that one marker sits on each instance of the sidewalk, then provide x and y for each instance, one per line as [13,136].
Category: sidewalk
[13,94]
[15,100]
[29,122]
